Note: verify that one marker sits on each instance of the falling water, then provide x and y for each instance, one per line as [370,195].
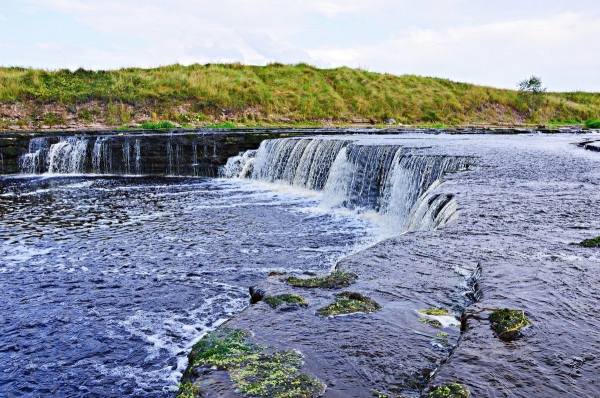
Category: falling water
[127,156]
[97,155]
[34,162]
[67,156]
[138,157]
[386,179]
[239,166]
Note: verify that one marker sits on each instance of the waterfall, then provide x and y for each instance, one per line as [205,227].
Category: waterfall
[301,162]
[127,156]
[34,162]
[138,157]
[239,166]
[67,156]
[390,180]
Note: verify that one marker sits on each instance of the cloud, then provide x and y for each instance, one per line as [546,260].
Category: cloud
[332,9]
[468,40]
[2,18]
[497,53]
[270,50]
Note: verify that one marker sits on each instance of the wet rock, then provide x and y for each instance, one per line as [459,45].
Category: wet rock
[349,303]
[451,390]
[508,323]
[256,294]
[287,299]
[337,280]
[276,273]
[254,370]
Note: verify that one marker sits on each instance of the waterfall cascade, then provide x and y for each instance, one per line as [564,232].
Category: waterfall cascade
[67,156]
[147,154]
[390,180]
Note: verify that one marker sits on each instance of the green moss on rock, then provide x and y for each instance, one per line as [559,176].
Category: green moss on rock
[507,323]
[595,242]
[451,390]
[254,370]
[337,280]
[288,299]
[431,322]
[349,303]
[188,390]
[434,311]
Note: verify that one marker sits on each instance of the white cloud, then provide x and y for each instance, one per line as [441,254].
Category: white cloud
[2,18]
[496,54]
[469,40]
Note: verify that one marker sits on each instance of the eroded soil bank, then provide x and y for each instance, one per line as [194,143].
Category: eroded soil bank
[530,198]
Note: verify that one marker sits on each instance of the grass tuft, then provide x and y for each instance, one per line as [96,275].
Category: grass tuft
[592,124]
[158,126]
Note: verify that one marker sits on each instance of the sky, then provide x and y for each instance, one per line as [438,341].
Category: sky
[489,42]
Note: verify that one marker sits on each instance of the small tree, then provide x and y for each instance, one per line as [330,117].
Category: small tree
[532,93]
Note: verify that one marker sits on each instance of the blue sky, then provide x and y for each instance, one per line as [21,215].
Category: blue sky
[486,42]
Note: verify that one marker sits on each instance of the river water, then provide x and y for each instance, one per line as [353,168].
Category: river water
[107,281]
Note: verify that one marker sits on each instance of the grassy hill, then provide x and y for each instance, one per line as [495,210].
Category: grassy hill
[262,95]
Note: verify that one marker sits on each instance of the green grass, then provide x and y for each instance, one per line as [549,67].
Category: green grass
[592,124]
[158,126]
[271,95]
[225,125]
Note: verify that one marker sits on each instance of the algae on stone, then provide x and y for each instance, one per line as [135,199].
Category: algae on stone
[594,242]
[255,370]
[288,299]
[434,311]
[349,303]
[507,323]
[188,390]
[337,280]
[451,390]
[431,322]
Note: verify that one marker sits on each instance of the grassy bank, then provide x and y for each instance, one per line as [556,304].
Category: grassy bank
[199,95]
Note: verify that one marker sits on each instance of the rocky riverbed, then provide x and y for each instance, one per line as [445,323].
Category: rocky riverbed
[522,211]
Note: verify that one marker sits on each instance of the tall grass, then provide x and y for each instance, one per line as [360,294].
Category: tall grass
[292,93]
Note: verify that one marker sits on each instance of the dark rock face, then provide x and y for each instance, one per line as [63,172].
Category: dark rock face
[178,152]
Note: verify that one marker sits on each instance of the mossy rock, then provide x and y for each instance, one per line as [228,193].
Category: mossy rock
[188,390]
[435,312]
[254,370]
[288,299]
[508,323]
[431,322]
[337,280]
[595,242]
[450,390]
[349,303]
